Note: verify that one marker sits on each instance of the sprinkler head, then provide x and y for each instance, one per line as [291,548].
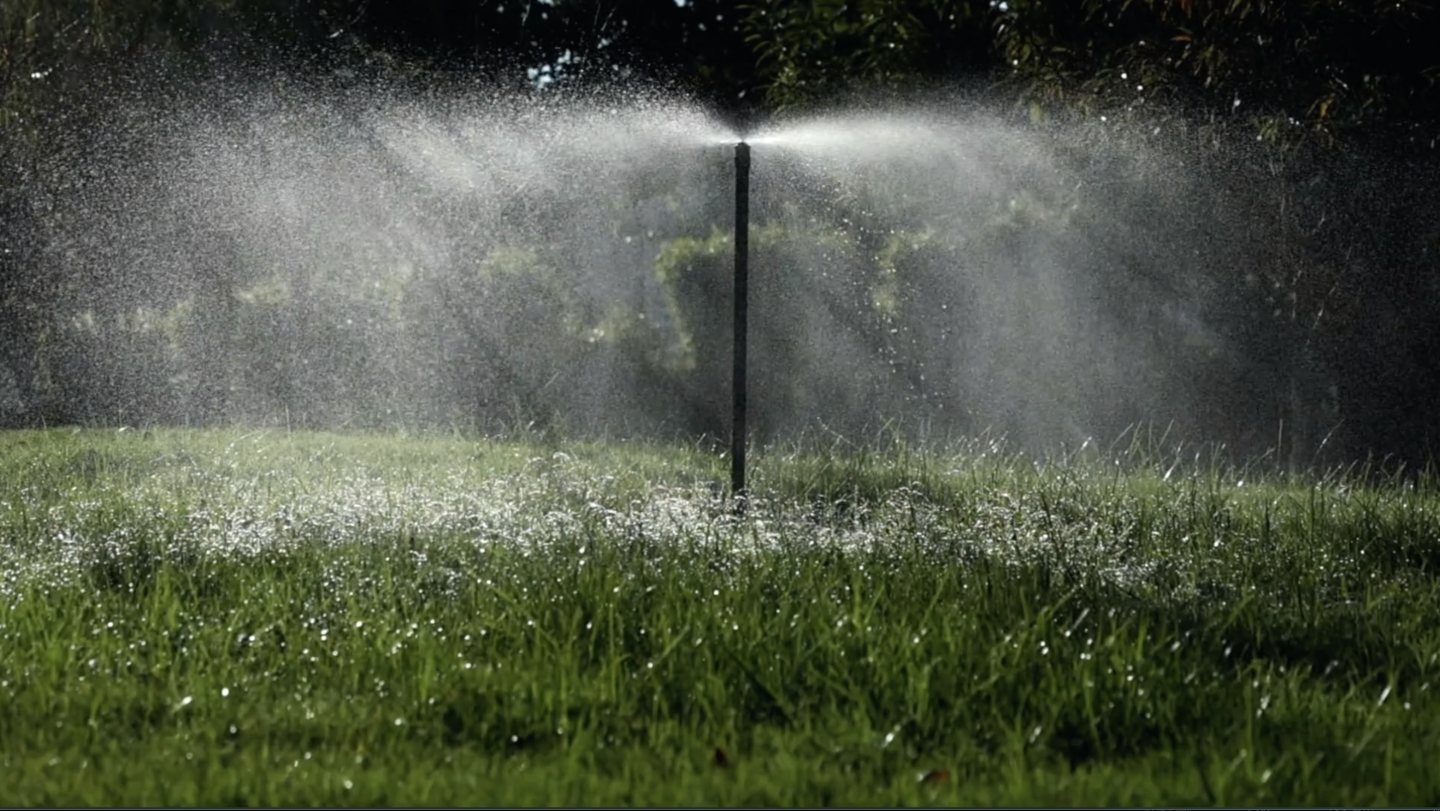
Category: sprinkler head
[742,271]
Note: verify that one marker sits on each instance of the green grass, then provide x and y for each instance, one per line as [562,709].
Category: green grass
[243,619]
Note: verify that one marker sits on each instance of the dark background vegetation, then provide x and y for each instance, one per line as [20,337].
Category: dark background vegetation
[1326,114]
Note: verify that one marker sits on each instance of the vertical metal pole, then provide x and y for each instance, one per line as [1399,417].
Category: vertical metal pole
[742,283]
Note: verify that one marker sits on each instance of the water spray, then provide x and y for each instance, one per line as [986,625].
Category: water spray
[742,283]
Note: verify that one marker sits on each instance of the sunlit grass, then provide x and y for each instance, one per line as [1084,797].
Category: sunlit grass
[272,618]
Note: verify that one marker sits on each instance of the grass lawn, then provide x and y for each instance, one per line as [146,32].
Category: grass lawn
[270,618]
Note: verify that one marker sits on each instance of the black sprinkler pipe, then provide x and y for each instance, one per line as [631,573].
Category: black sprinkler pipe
[742,284]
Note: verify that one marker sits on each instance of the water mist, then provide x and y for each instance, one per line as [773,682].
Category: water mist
[276,255]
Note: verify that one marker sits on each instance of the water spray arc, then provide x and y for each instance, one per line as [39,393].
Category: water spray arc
[741,303]
[388,262]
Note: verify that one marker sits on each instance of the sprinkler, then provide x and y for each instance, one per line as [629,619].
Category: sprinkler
[742,281]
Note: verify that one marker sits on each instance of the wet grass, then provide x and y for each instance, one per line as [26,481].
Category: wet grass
[244,619]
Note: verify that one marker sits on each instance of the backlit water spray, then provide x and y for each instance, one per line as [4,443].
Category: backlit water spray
[276,255]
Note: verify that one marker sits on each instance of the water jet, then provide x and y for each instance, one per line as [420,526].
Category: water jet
[486,260]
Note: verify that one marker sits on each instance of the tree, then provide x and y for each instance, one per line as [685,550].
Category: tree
[1326,66]
[807,52]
